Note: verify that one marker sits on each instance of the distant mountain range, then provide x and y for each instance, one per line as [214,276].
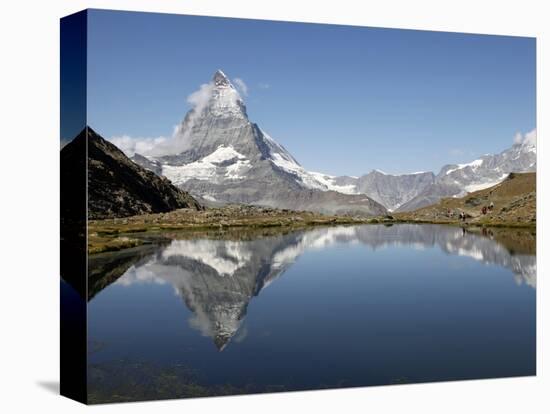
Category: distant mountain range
[118,187]
[228,159]
[458,179]
[407,192]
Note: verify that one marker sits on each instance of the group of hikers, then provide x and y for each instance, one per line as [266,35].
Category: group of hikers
[486,209]
[462,215]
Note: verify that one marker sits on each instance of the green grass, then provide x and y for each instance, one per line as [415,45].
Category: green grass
[117,234]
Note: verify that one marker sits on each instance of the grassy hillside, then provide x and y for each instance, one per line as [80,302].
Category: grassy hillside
[514,202]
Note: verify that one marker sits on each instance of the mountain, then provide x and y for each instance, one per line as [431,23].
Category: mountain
[408,192]
[459,179]
[226,158]
[393,191]
[514,200]
[118,187]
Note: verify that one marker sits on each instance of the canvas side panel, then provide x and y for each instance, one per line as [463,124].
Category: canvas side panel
[73,159]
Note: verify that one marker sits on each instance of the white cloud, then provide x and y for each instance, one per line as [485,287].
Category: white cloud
[140,275]
[241,86]
[130,145]
[529,138]
[199,99]
[263,85]
[177,142]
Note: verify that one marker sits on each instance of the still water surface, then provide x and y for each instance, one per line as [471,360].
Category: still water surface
[328,307]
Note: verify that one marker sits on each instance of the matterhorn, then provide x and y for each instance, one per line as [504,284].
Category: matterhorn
[225,158]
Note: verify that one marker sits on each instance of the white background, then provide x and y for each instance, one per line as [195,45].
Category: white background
[29,150]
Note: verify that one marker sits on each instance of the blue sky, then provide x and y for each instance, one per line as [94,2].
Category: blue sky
[342,100]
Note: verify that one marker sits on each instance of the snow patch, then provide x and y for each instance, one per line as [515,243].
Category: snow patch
[208,168]
[483,185]
[399,175]
[474,165]
[328,181]
[292,167]
[223,153]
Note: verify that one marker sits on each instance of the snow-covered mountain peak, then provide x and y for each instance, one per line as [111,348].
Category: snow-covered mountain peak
[225,101]
[526,147]
[526,143]
[220,79]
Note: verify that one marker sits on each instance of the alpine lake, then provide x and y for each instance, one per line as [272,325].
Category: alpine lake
[328,307]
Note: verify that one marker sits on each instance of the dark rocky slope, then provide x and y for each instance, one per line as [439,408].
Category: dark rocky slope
[118,187]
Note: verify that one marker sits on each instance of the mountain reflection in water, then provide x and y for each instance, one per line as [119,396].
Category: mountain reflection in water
[217,278]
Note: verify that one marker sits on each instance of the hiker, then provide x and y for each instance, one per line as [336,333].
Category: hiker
[491,205]
[484,210]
